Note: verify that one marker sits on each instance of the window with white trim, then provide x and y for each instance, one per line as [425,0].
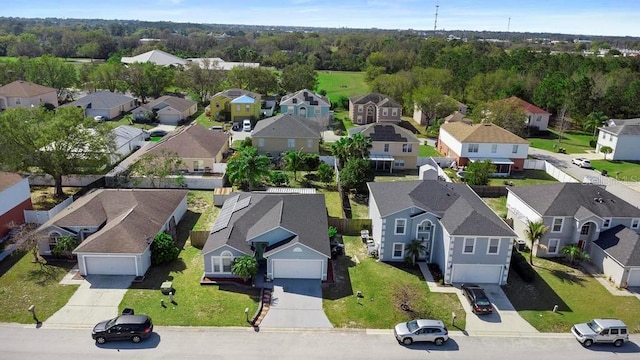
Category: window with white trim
[584,230]
[260,142]
[494,246]
[557,224]
[360,108]
[291,143]
[309,143]
[385,148]
[469,246]
[494,148]
[401,225]
[198,165]
[394,112]
[247,107]
[53,240]
[385,112]
[514,149]
[222,264]
[424,230]
[635,223]
[553,246]
[606,223]
[398,163]
[473,148]
[237,107]
[407,148]
[398,251]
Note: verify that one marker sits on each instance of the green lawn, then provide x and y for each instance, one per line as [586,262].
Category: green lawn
[524,178]
[397,175]
[24,283]
[578,295]
[498,205]
[334,205]
[359,210]
[382,286]
[197,305]
[342,83]
[620,170]
[428,151]
[574,142]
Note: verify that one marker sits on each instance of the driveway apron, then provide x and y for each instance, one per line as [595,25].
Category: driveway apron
[97,299]
[296,303]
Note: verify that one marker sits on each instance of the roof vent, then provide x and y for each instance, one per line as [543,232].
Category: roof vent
[598,200]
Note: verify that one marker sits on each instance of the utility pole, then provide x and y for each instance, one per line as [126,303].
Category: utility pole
[435,22]
[509,25]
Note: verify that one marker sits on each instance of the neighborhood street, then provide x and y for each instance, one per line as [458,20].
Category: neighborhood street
[22,342]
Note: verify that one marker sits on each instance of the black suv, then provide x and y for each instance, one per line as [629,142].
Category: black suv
[479,301]
[125,327]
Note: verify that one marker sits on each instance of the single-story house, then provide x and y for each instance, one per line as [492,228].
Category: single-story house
[459,232]
[219,64]
[15,198]
[128,138]
[25,94]
[157,57]
[105,103]
[115,228]
[288,232]
[200,149]
[284,132]
[622,136]
[169,110]
[586,215]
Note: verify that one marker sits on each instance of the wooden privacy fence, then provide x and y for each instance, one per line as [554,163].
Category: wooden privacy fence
[350,226]
[489,191]
[198,238]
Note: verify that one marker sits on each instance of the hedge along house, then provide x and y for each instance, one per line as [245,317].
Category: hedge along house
[287,232]
[115,228]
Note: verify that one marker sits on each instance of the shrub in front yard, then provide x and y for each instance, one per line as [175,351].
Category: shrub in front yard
[163,249]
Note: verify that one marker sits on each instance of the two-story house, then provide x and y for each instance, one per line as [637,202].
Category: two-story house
[373,108]
[392,146]
[460,233]
[281,133]
[478,142]
[222,109]
[535,116]
[306,104]
[15,198]
[622,136]
[25,94]
[586,215]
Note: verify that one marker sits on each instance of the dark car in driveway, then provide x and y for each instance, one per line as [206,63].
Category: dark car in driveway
[479,301]
[125,327]
[158,133]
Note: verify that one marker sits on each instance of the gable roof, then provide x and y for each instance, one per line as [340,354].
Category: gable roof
[385,132]
[527,107]
[566,199]
[24,89]
[376,98]
[175,102]
[617,122]
[459,209]
[286,126]
[624,129]
[247,215]
[157,57]
[193,141]
[127,218]
[102,100]
[8,179]
[621,243]
[481,133]
[457,116]
[304,96]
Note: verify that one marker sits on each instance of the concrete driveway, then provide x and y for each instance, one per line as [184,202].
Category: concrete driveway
[97,299]
[504,320]
[296,303]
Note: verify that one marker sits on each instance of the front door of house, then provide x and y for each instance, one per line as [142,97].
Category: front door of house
[427,250]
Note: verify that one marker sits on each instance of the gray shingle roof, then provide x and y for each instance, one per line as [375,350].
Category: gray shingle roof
[127,217]
[102,100]
[566,199]
[287,126]
[304,216]
[304,96]
[624,129]
[385,132]
[376,98]
[621,243]
[193,141]
[175,102]
[460,210]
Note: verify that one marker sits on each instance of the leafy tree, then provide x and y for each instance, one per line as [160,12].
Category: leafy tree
[158,167]
[163,249]
[260,80]
[478,172]
[57,143]
[494,85]
[247,142]
[148,80]
[606,150]
[534,232]
[53,72]
[248,168]
[574,252]
[310,162]
[245,266]
[433,103]
[108,76]
[594,121]
[293,161]
[279,178]
[64,246]
[504,113]
[414,249]
[297,77]
[202,80]
[355,175]
[552,92]
[326,174]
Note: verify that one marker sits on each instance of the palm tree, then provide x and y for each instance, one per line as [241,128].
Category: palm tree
[535,231]
[414,249]
[574,252]
[293,161]
[340,149]
[248,167]
[594,121]
[359,146]
[245,266]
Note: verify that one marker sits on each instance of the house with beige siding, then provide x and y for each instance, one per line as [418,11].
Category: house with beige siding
[281,133]
[25,94]
[393,147]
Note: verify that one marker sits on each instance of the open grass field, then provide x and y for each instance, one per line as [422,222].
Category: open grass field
[579,297]
[428,151]
[342,83]
[620,170]
[384,288]
[574,142]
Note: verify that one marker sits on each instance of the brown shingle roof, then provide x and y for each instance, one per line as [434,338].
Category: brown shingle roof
[527,106]
[481,133]
[173,101]
[8,179]
[193,141]
[23,89]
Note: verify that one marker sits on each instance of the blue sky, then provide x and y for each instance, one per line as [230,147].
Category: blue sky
[589,17]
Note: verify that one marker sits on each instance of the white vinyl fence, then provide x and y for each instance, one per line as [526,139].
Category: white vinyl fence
[42,216]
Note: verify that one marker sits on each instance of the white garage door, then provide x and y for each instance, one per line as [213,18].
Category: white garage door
[169,119]
[297,269]
[110,265]
[488,274]
[634,277]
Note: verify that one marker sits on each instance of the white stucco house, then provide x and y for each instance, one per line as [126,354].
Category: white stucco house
[622,136]
[26,94]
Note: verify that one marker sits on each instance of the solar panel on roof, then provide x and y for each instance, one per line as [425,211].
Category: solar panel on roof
[225,214]
[242,204]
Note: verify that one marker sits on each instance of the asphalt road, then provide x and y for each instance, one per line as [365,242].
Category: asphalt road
[20,342]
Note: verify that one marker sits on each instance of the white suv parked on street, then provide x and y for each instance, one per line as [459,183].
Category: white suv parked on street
[611,331]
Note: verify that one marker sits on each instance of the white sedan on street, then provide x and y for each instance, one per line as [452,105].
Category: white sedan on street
[582,162]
